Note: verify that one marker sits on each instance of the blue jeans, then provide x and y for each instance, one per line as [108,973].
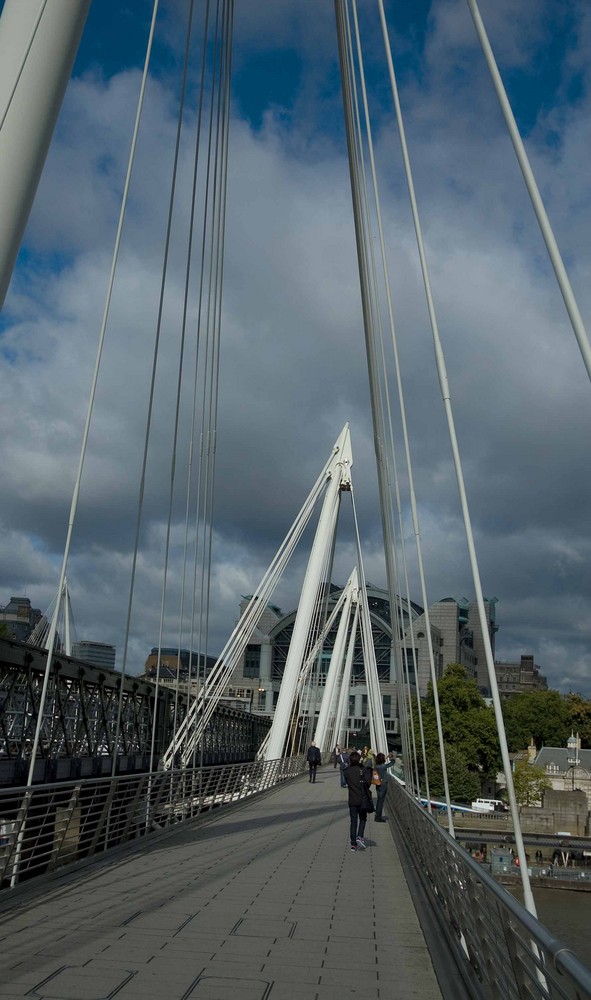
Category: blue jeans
[358,818]
[381,790]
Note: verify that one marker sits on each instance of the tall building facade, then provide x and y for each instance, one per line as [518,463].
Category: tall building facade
[519,678]
[98,654]
[451,641]
[19,618]
[482,678]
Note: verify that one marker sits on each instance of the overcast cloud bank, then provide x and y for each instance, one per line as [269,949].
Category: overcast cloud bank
[293,359]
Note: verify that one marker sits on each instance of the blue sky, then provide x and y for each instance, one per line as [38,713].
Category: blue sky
[293,357]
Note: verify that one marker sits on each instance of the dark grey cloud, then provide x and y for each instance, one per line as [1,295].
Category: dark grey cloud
[293,358]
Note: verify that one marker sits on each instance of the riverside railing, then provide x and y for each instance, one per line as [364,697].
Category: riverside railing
[503,952]
[45,827]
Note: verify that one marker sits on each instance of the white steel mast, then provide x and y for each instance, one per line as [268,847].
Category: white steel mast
[38,44]
[340,478]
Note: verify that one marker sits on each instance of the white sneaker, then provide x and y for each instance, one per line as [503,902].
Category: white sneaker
[361,843]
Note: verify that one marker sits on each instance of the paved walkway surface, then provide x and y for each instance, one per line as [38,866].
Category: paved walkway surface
[262,902]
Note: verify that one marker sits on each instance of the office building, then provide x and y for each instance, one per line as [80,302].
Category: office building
[19,618]
[98,654]
[519,678]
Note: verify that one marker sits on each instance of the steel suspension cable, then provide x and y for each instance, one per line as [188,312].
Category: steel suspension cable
[343,702]
[213,325]
[368,310]
[532,188]
[371,673]
[404,425]
[399,659]
[193,421]
[90,409]
[310,688]
[234,647]
[366,303]
[173,457]
[446,395]
[200,516]
[382,393]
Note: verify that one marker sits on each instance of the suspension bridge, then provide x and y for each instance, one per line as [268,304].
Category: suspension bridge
[191,878]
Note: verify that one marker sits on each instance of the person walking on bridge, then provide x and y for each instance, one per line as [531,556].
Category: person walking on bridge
[380,780]
[314,759]
[358,780]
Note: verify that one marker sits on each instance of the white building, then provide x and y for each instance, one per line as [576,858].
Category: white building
[568,768]
[258,677]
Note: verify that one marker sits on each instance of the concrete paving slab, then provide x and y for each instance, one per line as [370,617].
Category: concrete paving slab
[264,902]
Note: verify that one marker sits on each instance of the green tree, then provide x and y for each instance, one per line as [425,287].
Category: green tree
[541,715]
[529,781]
[469,735]
[579,710]
[464,784]
[4,633]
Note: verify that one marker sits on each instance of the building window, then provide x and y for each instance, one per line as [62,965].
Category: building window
[351,704]
[364,705]
[252,660]
[387,703]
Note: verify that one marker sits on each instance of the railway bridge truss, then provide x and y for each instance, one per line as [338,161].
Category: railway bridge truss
[81,736]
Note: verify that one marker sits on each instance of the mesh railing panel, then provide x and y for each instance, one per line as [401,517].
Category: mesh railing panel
[48,826]
[505,951]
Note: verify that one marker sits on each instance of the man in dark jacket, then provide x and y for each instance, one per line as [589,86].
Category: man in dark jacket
[313,758]
[358,781]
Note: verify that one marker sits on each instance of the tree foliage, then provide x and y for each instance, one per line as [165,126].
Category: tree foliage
[539,715]
[470,732]
[529,781]
[579,709]
[469,735]
[464,783]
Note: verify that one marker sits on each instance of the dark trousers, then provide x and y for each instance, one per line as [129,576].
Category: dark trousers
[313,771]
[381,790]
[358,818]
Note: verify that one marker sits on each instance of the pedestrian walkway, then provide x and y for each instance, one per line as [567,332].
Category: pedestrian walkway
[264,901]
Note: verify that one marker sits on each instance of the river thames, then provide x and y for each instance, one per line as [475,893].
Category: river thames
[567,914]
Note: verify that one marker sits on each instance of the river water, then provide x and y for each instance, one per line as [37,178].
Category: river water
[567,914]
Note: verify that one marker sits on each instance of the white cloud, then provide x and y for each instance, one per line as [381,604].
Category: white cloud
[293,355]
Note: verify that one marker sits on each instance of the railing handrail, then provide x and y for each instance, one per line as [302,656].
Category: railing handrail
[539,966]
[48,826]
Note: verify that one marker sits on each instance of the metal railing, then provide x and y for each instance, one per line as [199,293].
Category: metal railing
[45,827]
[503,951]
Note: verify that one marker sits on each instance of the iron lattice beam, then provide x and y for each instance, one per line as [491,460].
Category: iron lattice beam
[80,715]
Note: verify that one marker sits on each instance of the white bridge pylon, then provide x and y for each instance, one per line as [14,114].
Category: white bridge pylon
[307,637]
